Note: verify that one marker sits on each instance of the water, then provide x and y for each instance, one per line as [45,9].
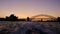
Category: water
[24,27]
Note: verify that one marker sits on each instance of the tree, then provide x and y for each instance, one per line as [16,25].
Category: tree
[28,19]
[58,19]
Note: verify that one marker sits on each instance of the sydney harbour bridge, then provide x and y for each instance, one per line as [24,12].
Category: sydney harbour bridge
[43,17]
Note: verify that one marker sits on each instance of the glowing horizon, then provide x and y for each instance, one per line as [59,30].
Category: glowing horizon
[29,8]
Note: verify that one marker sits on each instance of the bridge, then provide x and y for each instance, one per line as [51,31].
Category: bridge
[43,17]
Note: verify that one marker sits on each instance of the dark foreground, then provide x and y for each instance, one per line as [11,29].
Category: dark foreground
[19,27]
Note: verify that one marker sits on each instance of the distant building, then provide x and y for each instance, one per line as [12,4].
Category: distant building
[12,17]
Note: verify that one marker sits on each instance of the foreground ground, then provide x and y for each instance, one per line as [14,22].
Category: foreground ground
[19,27]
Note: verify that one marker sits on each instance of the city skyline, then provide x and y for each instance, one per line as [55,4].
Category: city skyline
[28,8]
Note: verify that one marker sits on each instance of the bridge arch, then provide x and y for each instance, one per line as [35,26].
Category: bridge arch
[42,17]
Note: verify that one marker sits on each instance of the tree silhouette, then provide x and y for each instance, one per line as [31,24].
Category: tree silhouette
[28,19]
[58,19]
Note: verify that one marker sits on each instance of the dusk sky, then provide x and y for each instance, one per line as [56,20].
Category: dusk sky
[24,8]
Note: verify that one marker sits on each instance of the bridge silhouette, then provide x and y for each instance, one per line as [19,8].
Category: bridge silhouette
[43,17]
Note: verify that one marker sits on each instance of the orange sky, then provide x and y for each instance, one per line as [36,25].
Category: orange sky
[25,8]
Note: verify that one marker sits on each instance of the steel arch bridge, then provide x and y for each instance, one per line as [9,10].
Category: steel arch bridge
[42,17]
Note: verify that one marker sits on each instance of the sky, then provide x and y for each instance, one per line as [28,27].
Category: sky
[25,8]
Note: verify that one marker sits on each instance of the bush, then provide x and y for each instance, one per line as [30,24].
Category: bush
[58,19]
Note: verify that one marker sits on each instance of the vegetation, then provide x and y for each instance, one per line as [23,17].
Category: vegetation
[28,19]
[58,19]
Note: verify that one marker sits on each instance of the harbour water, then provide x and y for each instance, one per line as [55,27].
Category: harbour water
[27,27]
